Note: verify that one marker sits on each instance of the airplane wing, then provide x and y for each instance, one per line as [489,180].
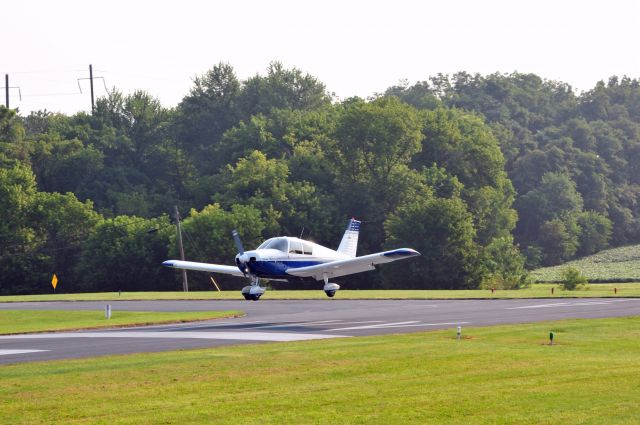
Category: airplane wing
[352,265]
[203,267]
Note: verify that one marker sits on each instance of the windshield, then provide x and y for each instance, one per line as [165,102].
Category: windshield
[281,244]
[264,244]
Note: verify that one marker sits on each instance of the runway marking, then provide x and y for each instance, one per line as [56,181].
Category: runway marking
[380,325]
[567,304]
[430,324]
[187,326]
[411,323]
[320,322]
[9,352]
[239,336]
[285,324]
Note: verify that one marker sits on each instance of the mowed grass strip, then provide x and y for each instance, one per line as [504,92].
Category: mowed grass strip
[494,375]
[23,321]
[541,290]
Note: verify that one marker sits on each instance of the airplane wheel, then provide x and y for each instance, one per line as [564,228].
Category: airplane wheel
[330,294]
[246,297]
[255,297]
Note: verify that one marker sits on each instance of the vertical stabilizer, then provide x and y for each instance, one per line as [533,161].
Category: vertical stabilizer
[349,243]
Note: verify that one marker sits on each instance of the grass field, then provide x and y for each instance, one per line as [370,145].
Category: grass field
[611,265]
[21,321]
[535,291]
[495,375]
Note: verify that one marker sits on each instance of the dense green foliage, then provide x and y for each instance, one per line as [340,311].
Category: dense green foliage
[571,279]
[471,170]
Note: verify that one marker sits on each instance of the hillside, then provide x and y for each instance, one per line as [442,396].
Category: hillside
[611,265]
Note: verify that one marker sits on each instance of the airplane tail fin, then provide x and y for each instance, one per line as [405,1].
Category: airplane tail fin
[349,243]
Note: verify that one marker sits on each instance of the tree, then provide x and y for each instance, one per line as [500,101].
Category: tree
[281,88]
[571,279]
[505,265]
[18,243]
[371,150]
[287,207]
[558,240]
[557,199]
[62,224]
[13,148]
[210,109]
[595,232]
[125,253]
[465,147]
[442,231]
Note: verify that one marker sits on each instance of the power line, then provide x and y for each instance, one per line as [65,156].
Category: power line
[51,94]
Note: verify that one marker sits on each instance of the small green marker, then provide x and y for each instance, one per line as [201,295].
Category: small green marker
[550,338]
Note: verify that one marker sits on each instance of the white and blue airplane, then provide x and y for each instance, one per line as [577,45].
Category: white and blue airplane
[288,258]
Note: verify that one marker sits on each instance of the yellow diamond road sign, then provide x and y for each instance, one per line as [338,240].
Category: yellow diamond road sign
[54,281]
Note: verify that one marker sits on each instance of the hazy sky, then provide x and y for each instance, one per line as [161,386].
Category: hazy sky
[354,47]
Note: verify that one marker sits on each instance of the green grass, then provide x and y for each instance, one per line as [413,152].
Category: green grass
[611,265]
[496,375]
[535,291]
[22,321]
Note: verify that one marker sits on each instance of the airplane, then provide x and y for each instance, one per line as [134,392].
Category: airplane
[288,258]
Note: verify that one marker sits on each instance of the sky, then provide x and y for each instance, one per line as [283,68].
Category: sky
[356,48]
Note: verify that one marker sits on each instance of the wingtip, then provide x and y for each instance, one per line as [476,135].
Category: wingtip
[402,252]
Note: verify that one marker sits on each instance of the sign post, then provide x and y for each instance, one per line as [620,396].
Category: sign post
[54,282]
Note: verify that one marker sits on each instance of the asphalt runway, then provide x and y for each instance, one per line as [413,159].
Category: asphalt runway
[291,320]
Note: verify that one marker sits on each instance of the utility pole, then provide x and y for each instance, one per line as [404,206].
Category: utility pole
[185,285]
[6,90]
[91,78]
[93,105]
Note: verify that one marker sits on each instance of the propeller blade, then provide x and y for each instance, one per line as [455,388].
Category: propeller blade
[236,239]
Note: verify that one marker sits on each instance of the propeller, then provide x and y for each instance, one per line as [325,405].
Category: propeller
[236,239]
[239,260]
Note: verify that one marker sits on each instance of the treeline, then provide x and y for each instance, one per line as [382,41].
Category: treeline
[455,167]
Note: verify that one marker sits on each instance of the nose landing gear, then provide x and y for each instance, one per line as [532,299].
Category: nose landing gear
[253,292]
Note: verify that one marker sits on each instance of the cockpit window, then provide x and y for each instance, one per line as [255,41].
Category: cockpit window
[295,247]
[264,244]
[281,244]
[300,247]
[307,249]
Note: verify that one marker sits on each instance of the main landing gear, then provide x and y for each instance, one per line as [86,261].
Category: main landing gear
[253,292]
[330,288]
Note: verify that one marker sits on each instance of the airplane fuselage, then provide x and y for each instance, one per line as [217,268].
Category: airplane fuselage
[274,257]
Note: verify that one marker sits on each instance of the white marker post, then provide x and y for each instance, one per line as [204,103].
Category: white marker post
[107,311]
[459,332]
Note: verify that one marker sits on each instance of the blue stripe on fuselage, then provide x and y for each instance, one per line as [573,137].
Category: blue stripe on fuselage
[278,269]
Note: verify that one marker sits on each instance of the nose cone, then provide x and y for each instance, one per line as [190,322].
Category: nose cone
[244,260]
